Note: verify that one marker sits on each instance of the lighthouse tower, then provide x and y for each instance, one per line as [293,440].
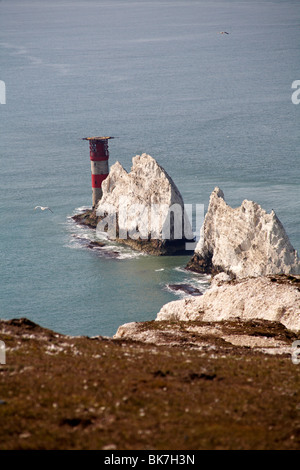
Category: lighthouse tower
[99,164]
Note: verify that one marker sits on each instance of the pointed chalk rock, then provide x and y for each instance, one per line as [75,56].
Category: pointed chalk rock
[246,241]
[137,207]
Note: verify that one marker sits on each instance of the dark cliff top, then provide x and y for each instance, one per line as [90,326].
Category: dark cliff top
[193,391]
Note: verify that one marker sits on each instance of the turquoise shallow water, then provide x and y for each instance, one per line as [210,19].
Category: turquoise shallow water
[212,109]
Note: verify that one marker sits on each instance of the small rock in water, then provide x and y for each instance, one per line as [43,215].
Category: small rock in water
[95,244]
[187,288]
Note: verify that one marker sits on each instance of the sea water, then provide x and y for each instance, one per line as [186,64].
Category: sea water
[213,109]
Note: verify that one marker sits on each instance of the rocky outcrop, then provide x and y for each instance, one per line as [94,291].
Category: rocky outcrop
[88,218]
[143,208]
[224,336]
[246,241]
[267,298]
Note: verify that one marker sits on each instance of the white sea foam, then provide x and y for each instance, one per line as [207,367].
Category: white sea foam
[131,255]
[180,269]
[81,237]
[198,277]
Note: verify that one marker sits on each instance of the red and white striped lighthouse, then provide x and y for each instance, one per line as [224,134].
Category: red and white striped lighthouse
[99,156]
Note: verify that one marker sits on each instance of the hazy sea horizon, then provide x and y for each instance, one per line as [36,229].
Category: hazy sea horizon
[212,109]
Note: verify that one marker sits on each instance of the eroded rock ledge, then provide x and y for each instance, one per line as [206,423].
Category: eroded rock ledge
[243,242]
[88,218]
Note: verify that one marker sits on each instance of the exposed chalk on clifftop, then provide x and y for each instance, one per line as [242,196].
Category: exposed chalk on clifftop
[267,298]
[246,241]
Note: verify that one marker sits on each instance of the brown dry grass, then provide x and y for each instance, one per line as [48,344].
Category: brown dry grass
[82,393]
